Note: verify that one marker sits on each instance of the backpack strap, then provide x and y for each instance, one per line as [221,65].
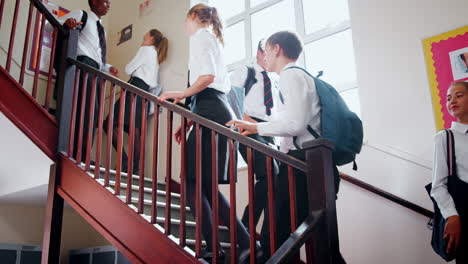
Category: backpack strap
[84,20]
[450,152]
[250,80]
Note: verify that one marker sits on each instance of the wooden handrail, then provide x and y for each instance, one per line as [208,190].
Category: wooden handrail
[52,20]
[405,203]
[275,154]
[297,239]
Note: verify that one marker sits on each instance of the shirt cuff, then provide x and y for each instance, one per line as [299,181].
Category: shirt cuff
[262,128]
[106,67]
[447,212]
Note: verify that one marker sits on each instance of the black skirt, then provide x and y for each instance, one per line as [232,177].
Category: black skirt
[211,104]
[138,111]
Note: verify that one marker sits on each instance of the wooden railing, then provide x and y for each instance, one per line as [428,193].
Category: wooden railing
[317,231]
[42,82]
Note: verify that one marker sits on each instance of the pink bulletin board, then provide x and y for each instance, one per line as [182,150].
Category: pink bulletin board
[446,62]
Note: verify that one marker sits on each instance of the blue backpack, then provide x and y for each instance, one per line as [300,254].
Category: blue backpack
[339,124]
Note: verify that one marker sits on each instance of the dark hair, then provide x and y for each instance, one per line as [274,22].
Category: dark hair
[462,56]
[161,43]
[208,16]
[464,84]
[288,41]
[90,3]
[261,46]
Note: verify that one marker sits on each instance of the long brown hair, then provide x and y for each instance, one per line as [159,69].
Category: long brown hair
[161,43]
[207,15]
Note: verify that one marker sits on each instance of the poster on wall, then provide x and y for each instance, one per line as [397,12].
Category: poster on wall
[46,50]
[125,34]
[447,61]
[146,7]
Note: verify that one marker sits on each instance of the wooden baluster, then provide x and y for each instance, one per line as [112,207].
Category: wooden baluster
[13,32]
[73,115]
[102,97]
[38,58]
[154,175]
[26,43]
[271,205]
[92,102]
[251,183]
[84,88]
[198,190]
[232,185]
[110,132]
[292,205]
[2,6]
[167,225]
[131,143]
[183,175]
[118,166]
[141,190]
[51,70]
[215,201]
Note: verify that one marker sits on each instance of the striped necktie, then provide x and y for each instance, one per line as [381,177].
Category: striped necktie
[102,41]
[267,96]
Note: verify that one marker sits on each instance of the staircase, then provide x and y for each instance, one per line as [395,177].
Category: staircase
[146,220]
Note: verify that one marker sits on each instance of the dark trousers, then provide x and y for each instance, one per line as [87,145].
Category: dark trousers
[283,215]
[212,105]
[87,108]
[261,186]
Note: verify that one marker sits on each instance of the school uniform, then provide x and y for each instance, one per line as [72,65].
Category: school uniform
[92,50]
[300,107]
[206,58]
[259,104]
[448,204]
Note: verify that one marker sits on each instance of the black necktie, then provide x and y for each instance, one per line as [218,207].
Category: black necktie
[102,41]
[267,96]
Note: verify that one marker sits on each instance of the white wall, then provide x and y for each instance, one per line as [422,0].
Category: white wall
[399,127]
[16,149]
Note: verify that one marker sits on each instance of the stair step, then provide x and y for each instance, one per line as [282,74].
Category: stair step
[160,194]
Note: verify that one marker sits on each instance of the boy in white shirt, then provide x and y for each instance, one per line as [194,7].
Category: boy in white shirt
[300,108]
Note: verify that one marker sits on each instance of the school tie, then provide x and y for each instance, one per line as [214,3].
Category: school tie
[267,96]
[102,41]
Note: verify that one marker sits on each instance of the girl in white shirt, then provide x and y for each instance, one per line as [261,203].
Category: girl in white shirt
[453,203]
[209,85]
[144,71]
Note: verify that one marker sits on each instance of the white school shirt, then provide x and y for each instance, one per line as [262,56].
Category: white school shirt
[300,107]
[88,41]
[254,100]
[145,65]
[206,58]
[440,170]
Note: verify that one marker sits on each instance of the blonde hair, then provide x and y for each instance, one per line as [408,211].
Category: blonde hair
[207,15]
[161,43]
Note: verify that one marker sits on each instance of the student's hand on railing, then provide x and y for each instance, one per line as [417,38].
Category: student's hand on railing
[114,71]
[71,23]
[452,233]
[178,133]
[246,128]
[177,96]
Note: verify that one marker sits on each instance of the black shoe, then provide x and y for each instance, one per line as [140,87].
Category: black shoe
[244,256]
[208,257]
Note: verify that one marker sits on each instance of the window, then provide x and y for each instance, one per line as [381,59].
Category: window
[264,25]
[324,27]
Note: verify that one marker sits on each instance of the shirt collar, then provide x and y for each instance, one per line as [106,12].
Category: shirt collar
[460,128]
[291,64]
[257,67]
[94,16]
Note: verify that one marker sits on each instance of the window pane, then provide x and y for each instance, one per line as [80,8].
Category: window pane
[319,14]
[351,97]
[272,19]
[228,8]
[334,55]
[255,2]
[234,49]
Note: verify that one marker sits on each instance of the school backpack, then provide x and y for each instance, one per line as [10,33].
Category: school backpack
[339,125]
[250,80]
